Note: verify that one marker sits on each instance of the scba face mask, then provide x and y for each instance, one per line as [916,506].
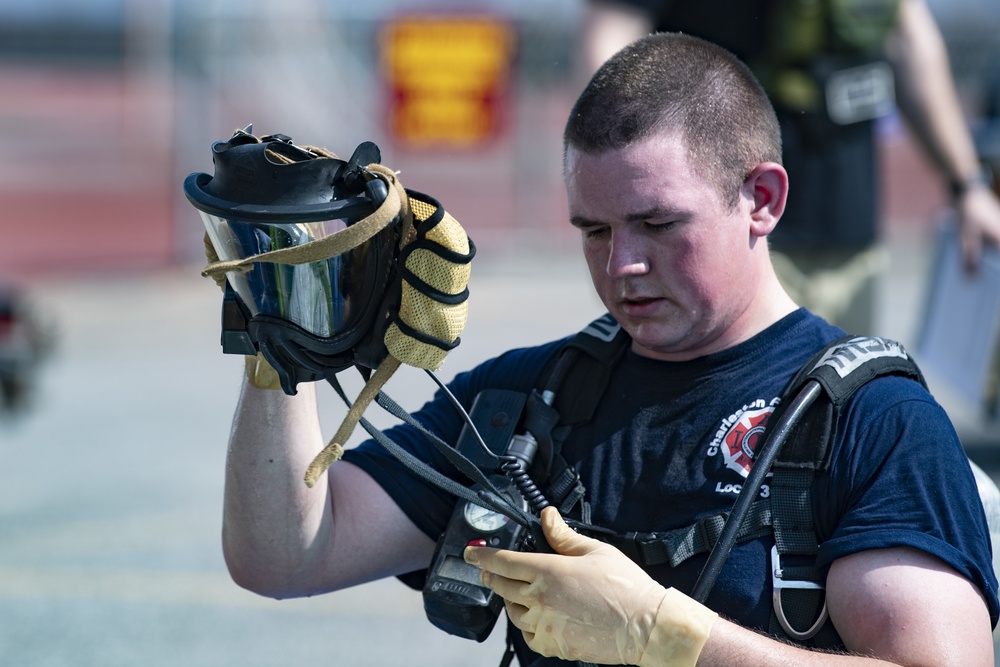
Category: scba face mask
[329,264]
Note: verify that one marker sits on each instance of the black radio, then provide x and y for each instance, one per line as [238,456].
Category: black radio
[454,599]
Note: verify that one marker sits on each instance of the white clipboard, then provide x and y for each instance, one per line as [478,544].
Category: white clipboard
[960,332]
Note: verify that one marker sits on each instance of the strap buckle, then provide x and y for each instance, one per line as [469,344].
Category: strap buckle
[778,584]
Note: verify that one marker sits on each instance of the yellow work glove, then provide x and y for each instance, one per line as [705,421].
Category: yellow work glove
[261,374]
[589,602]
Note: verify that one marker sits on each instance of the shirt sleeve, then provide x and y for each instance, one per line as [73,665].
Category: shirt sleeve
[900,478]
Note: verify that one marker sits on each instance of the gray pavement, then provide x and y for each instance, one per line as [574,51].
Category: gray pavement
[111,488]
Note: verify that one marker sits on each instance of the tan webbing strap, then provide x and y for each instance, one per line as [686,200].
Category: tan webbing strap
[440,264]
[330,246]
[335,449]
[407,230]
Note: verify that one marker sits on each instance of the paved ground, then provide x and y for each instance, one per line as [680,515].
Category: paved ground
[111,487]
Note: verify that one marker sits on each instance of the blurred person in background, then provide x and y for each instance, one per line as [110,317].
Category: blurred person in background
[23,345]
[988,136]
[831,68]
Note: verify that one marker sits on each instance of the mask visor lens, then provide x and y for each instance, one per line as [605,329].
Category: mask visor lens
[318,296]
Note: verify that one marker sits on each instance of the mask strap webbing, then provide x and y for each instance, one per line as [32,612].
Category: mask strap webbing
[333,451]
[407,229]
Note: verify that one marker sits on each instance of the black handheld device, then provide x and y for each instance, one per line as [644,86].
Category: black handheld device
[454,599]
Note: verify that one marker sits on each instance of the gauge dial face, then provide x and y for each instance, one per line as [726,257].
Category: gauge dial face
[484,520]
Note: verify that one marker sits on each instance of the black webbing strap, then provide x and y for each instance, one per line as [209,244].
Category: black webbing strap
[673,547]
[840,368]
[582,372]
[791,505]
[601,344]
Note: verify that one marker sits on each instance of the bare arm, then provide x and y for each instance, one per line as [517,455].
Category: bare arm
[901,606]
[282,539]
[609,26]
[927,98]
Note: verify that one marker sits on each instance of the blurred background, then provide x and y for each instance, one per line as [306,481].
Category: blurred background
[117,399]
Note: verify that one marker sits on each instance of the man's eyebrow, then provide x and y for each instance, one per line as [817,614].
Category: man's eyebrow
[580,221]
[654,213]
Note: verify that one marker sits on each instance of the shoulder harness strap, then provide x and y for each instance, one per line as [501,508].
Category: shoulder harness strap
[584,366]
[841,368]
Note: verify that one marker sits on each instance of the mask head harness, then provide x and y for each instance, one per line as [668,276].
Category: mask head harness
[329,264]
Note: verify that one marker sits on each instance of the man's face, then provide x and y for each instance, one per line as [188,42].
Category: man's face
[670,260]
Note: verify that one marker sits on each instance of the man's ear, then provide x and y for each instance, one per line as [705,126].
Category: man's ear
[767,184]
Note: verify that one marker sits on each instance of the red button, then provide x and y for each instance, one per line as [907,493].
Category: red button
[476,543]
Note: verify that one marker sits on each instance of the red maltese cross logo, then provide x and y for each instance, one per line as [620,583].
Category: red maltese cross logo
[743,438]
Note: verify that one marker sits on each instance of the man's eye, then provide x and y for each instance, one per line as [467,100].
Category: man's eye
[660,226]
[594,232]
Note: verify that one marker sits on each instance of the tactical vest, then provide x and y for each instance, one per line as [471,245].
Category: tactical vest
[577,380]
[825,55]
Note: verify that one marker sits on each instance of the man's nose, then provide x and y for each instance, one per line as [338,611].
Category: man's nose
[627,256]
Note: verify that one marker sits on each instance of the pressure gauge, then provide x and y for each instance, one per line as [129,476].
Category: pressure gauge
[484,520]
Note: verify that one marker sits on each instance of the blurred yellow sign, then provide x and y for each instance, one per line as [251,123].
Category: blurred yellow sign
[447,78]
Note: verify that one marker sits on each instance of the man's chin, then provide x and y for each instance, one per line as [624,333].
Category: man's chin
[658,340]
[649,339]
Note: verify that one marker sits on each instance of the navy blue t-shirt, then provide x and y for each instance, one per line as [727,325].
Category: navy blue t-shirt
[668,445]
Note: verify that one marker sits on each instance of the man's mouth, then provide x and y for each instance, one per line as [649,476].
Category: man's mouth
[638,301]
[639,306]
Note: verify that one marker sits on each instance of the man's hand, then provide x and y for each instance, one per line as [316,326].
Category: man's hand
[926,95]
[590,602]
[979,223]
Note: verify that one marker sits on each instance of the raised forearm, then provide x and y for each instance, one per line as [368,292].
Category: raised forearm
[928,99]
[608,27]
[275,529]
[926,93]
